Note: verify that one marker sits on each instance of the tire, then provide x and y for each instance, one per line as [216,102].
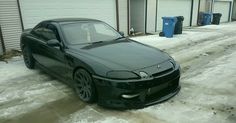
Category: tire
[28,58]
[161,34]
[84,86]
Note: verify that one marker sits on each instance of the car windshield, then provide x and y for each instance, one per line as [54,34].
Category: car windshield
[88,32]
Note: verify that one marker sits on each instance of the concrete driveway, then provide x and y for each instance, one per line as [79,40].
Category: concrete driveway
[207,56]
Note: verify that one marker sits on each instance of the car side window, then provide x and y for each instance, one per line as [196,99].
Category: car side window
[38,31]
[51,32]
[46,32]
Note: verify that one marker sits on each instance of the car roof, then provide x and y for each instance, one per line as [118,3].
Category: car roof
[58,20]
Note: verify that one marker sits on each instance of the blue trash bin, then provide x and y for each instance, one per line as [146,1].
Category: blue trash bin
[169,26]
[206,18]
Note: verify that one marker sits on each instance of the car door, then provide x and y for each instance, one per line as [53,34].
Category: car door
[51,57]
[36,39]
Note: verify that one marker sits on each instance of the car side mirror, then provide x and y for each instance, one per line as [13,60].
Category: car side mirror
[122,34]
[53,43]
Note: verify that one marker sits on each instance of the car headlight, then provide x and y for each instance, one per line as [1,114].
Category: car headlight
[122,75]
[143,75]
[171,58]
[172,61]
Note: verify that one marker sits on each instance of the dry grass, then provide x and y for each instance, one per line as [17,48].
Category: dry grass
[9,55]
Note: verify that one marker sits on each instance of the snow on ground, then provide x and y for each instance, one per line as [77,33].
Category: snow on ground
[23,90]
[192,35]
[206,54]
[206,97]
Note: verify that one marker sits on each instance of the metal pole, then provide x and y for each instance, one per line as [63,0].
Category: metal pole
[20,14]
[2,41]
[117,16]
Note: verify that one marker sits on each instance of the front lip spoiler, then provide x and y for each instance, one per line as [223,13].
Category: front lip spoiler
[164,98]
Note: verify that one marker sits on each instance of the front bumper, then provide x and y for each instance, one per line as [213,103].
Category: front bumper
[146,92]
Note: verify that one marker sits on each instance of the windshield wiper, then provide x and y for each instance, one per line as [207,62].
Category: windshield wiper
[119,38]
[97,42]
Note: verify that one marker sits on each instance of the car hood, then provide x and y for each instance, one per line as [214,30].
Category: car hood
[122,54]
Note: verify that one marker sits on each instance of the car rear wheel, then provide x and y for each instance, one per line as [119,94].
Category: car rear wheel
[84,86]
[28,58]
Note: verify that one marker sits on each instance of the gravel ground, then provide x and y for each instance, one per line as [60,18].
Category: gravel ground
[207,56]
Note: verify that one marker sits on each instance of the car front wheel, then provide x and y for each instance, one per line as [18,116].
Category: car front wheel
[84,86]
[28,58]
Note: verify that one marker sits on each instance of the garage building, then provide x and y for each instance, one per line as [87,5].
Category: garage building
[152,12]
[143,15]
[146,15]
[17,15]
[224,7]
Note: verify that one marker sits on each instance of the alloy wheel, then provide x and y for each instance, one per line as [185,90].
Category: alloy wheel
[83,83]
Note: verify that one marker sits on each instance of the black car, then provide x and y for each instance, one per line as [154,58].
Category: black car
[100,63]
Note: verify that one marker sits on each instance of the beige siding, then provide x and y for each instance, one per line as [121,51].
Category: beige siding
[205,5]
[137,15]
[151,16]
[195,12]
[10,23]
[123,16]
[202,6]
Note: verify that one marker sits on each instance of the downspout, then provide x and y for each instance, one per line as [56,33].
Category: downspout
[191,13]
[2,41]
[128,16]
[117,16]
[145,31]
[230,11]
[198,14]
[156,16]
[233,7]
[20,14]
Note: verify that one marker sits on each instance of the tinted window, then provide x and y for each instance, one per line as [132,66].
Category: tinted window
[88,32]
[50,32]
[46,33]
[38,31]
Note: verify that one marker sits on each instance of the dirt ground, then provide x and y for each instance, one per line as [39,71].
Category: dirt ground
[207,56]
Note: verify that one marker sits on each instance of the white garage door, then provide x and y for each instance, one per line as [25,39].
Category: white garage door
[10,24]
[173,8]
[223,8]
[34,11]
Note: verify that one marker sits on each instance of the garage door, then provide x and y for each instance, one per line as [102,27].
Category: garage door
[34,11]
[10,24]
[222,7]
[173,8]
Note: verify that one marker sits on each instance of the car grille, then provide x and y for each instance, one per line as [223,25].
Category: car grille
[172,86]
[162,72]
[157,81]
